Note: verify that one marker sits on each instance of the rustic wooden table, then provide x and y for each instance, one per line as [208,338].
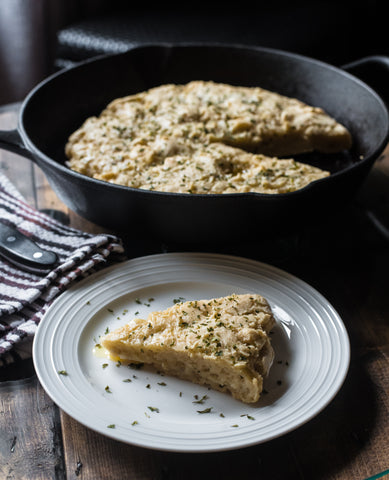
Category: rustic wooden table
[346,258]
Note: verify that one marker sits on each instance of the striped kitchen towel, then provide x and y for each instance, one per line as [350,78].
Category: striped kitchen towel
[26,296]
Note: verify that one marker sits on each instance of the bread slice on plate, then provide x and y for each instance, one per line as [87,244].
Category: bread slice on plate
[220,342]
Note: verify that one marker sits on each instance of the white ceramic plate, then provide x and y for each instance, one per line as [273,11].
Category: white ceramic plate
[144,408]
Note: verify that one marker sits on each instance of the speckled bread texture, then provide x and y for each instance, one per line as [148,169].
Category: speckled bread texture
[222,342]
[137,140]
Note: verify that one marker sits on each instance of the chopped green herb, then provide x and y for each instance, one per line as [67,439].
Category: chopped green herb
[248,416]
[107,389]
[111,426]
[136,366]
[62,372]
[201,401]
[134,422]
[178,300]
[207,410]
[153,409]
[104,365]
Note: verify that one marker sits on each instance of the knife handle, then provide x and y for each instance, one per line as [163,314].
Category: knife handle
[20,250]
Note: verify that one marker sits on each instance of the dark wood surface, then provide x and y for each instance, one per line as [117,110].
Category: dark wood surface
[346,258]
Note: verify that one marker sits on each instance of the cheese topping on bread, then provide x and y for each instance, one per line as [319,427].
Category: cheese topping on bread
[221,342]
[136,139]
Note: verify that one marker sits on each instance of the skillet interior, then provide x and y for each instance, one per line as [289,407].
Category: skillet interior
[60,105]
[63,103]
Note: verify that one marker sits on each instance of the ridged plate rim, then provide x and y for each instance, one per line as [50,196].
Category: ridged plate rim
[308,328]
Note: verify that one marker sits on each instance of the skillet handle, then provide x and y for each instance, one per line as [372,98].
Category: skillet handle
[11,140]
[373,70]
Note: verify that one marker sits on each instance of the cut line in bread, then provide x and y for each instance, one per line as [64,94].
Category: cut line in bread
[163,139]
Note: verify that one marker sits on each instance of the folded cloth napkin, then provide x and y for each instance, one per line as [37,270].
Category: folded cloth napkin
[26,296]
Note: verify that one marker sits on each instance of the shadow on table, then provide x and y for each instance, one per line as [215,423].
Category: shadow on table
[349,422]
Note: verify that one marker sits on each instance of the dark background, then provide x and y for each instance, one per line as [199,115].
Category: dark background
[42,36]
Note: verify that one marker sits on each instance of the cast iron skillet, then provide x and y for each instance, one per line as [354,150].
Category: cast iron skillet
[60,104]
